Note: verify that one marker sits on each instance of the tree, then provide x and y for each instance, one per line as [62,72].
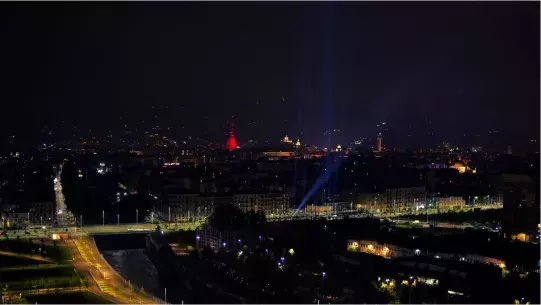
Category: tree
[207,252]
[195,253]
[227,217]
[256,219]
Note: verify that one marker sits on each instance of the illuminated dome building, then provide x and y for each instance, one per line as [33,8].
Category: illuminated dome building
[231,143]
[461,166]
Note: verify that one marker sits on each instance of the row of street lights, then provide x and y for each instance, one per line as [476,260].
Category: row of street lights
[118,217]
[103,218]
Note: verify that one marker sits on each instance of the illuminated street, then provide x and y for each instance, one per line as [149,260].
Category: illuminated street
[28,256]
[133,228]
[89,262]
[361,213]
[64,216]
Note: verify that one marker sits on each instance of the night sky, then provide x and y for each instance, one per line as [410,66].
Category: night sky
[456,70]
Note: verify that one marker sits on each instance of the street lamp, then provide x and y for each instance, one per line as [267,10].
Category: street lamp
[169,214]
[136,216]
[117,219]
[103,217]
[165,290]
[41,220]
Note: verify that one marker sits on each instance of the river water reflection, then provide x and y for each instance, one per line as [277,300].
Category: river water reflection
[134,265]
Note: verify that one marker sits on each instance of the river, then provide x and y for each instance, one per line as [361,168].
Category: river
[133,264]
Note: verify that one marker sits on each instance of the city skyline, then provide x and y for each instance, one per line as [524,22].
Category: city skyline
[436,71]
[270,153]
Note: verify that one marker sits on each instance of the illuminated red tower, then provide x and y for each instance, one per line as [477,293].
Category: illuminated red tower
[231,143]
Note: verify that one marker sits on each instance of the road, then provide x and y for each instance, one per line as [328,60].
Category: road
[90,263]
[438,224]
[341,214]
[39,232]
[132,228]
[123,228]
[27,256]
[64,216]
[47,290]
[17,296]
[80,266]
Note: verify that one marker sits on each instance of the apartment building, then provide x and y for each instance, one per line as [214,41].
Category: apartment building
[392,200]
[208,236]
[392,251]
[449,202]
[185,206]
[42,213]
[272,204]
[401,199]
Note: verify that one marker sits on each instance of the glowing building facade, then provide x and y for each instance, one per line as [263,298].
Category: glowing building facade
[231,143]
[379,144]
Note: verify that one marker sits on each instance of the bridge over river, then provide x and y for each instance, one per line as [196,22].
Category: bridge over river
[135,228]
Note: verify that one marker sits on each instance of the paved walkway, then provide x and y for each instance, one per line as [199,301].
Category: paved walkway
[47,290]
[27,256]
